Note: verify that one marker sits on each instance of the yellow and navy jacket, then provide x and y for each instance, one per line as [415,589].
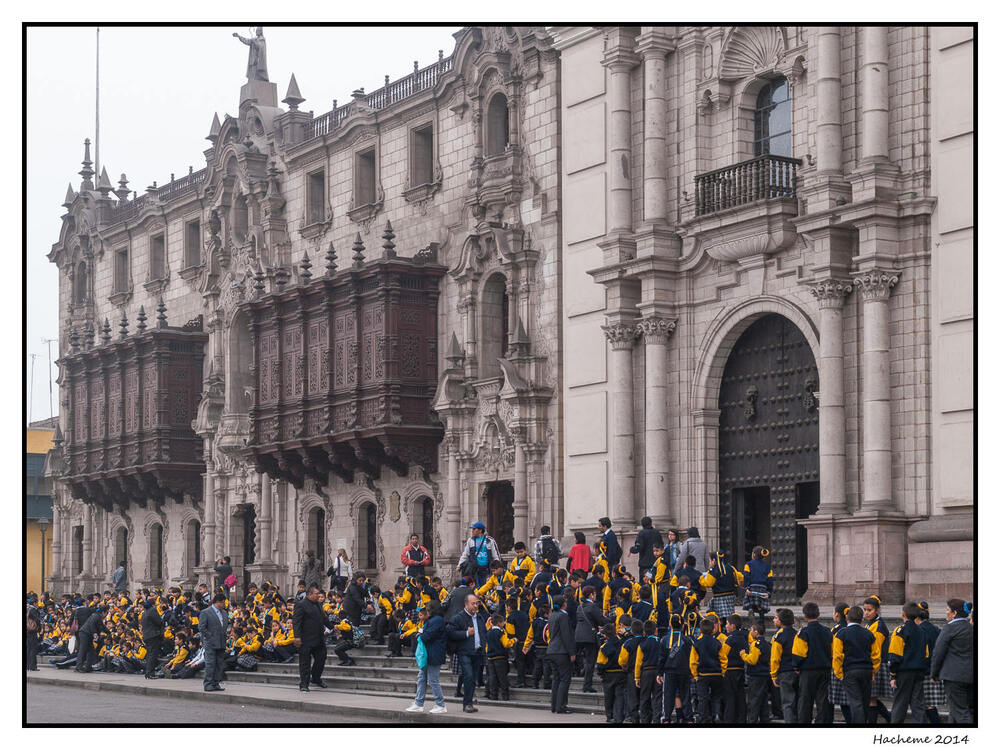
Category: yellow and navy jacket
[406,628]
[758,572]
[522,568]
[647,655]
[813,647]
[855,648]
[285,637]
[616,584]
[908,649]
[643,610]
[881,633]
[694,576]
[782,657]
[385,604]
[709,657]
[518,625]
[675,653]
[607,656]
[601,569]
[180,654]
[738,640]
[532,611]
[497,643]
[535,637]
[493,584]
[758,658]
[626,657]
[683,600]
[661,569]
[722,578]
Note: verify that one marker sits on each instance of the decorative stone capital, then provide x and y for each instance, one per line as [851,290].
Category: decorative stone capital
[656,330]
[876,284]
[621,336]
[831,292]
[653,42]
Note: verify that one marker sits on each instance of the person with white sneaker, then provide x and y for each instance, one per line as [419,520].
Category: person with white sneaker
[432,636]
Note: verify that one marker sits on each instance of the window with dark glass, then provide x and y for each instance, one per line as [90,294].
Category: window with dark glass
[192,244]
[364,178]
[421,155]
[121,270]
[316,197]
[157,257]
[497,125]
[773,120]
[80,284]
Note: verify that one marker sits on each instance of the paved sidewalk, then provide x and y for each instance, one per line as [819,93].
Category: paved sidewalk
[363,706]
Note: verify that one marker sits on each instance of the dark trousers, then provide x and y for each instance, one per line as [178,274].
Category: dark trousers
[677,685]
[316,655]
[31,652]
[541,676]
[614,696]
[497,682]
[561,675]
[814,688]
[379,626]
[788,683]
[709,697]
[86,641]
[520,659]
[650,697]
[214,660]
[587,653]
[909,694]
[153,646]
[471,664]
[959,695]
[341,648]
[858,688]
[758,689]
[734,694]
[631,696]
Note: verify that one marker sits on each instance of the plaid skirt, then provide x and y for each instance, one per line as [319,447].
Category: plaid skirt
[755,601]
[724,605]
[934,693]
[882,687]
[838,696]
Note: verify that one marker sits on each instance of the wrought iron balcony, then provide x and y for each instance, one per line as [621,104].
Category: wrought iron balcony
[758,179]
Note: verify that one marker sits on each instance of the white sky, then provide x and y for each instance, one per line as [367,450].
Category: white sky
[160,87]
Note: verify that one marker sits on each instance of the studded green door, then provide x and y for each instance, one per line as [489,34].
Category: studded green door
[769,448]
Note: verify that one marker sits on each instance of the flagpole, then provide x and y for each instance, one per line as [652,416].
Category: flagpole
[97,110]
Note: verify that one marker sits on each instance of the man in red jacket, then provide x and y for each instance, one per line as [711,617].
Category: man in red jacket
[415,557]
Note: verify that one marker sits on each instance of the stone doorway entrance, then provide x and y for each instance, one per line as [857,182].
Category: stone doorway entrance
[769,449]
[499,501]
[243,542]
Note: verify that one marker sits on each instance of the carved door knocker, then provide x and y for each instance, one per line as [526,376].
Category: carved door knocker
[750,409]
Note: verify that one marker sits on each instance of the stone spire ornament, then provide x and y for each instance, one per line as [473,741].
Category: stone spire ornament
[74,340]
[280,277]
[88,335]
[104,186]
[122,191]
[331,261]
[305,274]
[161,314]
[292,97]
[141,326]
[87,172]
[106,332]
[455,354]
[123,326]
[70,196]
[213,133]
[359,251]
[388,247]
[258,277]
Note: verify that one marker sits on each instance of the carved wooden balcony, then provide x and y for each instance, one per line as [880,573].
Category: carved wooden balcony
[131,402]
[344,371]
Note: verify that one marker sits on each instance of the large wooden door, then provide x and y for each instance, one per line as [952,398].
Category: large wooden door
[769,448]
[499,498]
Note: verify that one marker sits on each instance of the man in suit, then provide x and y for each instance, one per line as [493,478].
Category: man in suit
[309,623]
[953,659]
[467,630]
[561,653]
[34,620]
[355,599]
[455,603]
[85,636]
[152,637]
[213,624]
[589,618]
[612,549]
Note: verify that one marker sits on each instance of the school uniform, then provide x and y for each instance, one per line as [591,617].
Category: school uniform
[813,646]
[836,693]
[612,679]
[882,687]
[856,660]
[522,568]
[647,662]
[758,674]
[517,628]
[723,579]
[535,643]
[708,662]
[759,581]
[497,666]
[674,668]
[626,660]
[734,682]
[909,662]
[933,691]
[783,663]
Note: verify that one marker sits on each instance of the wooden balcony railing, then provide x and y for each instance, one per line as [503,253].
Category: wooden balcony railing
[757,179]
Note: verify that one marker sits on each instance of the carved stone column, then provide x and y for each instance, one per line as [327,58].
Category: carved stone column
[874,93]
[520,488]
[57,524]
[622,338]
[88,541]
[265,519]
[832,421]
[875,286]
[653,46]
[705,508]
[452,540]
[655,332]
[829,140]
[208,553]
[620,60]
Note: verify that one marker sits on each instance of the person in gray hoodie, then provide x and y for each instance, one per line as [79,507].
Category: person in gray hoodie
[694,545]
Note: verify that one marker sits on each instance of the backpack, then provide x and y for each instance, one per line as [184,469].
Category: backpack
[32,624]
[230,581]
[482,553]
[358,636]
[549,550]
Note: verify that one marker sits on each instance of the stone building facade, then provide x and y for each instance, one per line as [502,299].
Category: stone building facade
[714,275]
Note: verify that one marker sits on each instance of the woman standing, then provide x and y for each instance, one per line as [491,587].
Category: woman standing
[432,636]
[579,554]
[673,546]
[340,571]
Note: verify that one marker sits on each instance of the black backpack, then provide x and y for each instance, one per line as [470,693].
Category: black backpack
[549,550]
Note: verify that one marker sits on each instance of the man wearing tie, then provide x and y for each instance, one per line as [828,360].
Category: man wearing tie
[309,623]
[213,624]
[468,630]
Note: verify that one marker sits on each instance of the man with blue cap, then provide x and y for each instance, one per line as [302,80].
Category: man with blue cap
[480,550]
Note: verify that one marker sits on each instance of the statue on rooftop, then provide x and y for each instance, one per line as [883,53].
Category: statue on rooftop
[257,60]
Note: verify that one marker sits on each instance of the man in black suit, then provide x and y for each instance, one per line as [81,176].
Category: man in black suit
[34,628]
[85,636]
[455,602]
[152,637]
[589,618]
[953,660]
[309,623]
[561,653]
[467,630]
[355,599]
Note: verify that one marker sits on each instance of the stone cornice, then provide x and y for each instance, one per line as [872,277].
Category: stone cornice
[654,40]
[620,336]
[831,293]
[656,330]
[566,36]
[876,284]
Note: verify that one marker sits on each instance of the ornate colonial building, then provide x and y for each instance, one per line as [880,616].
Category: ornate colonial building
[718,276]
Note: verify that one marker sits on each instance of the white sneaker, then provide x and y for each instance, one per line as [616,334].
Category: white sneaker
[439,710]
[414,708]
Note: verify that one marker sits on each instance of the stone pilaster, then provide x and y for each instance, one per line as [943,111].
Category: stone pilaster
[875,286]
[57,556]
[875,93]
[653,46]
[830,295]
[520,487]
[452,538]
[655,333]
[619,60]
[266,519]
[622,339]
[704,505]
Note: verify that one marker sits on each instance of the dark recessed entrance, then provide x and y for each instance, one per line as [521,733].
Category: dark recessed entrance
[499,498]
[769,449]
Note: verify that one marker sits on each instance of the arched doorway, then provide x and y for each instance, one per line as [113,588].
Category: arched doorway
[121,546]
[366,557]
[156,552]
[243,542]
[192,550]
[316,534]
[499,500]
[423,527]
[769,449]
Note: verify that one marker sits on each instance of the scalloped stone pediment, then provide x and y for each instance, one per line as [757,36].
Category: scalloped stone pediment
[750,51]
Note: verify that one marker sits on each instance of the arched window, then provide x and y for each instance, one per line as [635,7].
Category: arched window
[78,549]
[80,284]
[772,131]
[495,321]
[425,523]
[497,125]
[121,546]
[241,218]
[367,554]
[192,556]
[238,380]
[316,533]
[156,552]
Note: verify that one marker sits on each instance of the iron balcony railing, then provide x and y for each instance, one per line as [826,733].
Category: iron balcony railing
[761,178]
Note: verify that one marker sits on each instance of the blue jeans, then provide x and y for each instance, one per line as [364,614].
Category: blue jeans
[429,674]
[472,664]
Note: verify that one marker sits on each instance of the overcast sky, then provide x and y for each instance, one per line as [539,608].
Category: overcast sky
[159,88]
